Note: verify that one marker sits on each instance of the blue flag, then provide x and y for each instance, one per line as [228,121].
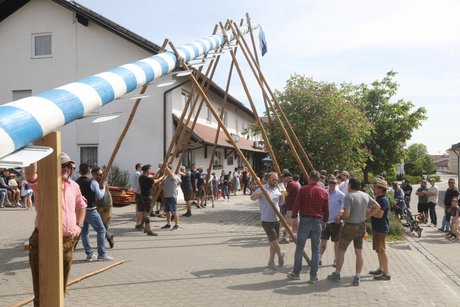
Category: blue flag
[262,41]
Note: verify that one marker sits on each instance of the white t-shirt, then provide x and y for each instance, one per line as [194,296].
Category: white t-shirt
[343,187]
[433,199]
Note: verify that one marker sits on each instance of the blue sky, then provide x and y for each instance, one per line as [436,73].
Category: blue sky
[354,41]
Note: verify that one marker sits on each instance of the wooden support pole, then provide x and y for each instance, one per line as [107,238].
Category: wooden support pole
[263,82]
[267,109]
[127,126]
[258,73]
[123,134]
[50,219]
[216,138]
[242,157]
[254,109]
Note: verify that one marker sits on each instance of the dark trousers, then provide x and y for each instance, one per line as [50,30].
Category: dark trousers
[67,250]
[433,216]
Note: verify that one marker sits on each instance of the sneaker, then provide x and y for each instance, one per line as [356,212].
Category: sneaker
[382,276]
[91,258]
[312,280]
[284,240]
[355,281]
[293,276]
[167,226]
[441,229]
[281,259]
[197,206]
[151,233]
[105,258]
[271,265]
[175,227]
[334,276]
[187,214]
[138,227]
[376,272]
[202,206]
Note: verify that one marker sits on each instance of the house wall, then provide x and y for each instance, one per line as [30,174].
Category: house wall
[79,51]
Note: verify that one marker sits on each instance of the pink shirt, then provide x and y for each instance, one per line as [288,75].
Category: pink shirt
[71,200]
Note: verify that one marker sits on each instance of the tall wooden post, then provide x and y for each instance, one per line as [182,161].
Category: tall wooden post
[50,233]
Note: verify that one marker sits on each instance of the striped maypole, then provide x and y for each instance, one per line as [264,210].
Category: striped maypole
[27,120]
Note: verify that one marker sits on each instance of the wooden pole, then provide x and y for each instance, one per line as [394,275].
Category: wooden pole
[254,109]
[50,219]
[267,109]
[127,126]
[283,129]
[263,81]
[243,158]
[30,299]
[224,103]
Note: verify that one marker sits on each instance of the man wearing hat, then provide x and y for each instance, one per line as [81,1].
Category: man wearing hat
[343,186]
[422,194]
[73,216]
[380,222]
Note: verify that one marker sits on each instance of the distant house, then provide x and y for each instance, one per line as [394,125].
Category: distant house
[49,43]
[441,162]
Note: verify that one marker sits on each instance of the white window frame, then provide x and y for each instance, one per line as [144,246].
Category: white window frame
[34,37]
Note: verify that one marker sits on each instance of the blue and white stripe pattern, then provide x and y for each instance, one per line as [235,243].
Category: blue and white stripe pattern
[27,120]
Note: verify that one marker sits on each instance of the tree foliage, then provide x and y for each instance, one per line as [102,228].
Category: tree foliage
[393,123]
[419,161]
[330,128]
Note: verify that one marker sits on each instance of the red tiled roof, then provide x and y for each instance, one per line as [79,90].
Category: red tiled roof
[206,134]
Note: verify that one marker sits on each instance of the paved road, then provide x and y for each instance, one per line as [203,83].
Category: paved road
[218,258]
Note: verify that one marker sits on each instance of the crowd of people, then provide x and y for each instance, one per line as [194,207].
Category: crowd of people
[14,191]
[325,207]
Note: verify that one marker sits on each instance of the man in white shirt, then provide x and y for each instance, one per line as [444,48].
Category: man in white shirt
[343,186]
[433,193]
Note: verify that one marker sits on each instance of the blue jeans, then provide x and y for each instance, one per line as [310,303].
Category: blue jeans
[94,219]
[225,192]
[309,227]
[3,195]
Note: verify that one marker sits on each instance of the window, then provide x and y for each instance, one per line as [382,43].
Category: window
[19,94]
[187,159]
[183,99]
[41,45]
[224,117]
[88,154]
[230,160]
[240,162]
[209,115]
[218,159]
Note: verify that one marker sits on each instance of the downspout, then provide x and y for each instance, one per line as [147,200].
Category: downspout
[164,113]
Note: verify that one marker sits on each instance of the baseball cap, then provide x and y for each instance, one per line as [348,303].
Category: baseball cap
[65,158]
[345,173]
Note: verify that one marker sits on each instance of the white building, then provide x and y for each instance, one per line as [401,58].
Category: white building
[49,43]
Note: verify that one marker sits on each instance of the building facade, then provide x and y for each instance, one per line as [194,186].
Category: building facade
[49,43]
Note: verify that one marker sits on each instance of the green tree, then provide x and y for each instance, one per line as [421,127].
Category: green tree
[330,128]
[420,161]
[393,123]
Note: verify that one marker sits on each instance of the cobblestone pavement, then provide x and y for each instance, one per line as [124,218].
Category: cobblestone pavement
[218,258]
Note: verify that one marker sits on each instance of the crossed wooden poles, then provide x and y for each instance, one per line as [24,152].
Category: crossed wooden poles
[180,140]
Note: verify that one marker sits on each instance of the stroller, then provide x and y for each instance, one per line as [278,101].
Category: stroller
[407,218]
